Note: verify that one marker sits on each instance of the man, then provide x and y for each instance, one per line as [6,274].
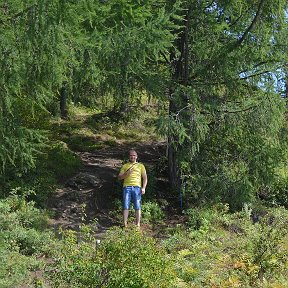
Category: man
[134,185]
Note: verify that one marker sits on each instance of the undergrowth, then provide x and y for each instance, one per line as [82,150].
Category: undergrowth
[23,240]
[212,248]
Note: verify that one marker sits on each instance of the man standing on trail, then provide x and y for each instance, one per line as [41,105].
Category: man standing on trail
[134,185]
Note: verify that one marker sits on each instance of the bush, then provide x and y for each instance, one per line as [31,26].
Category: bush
[62,161]
[14,267]
[21,239]
[278,193]
[204,217]
[123,259]
[56,164]
[234,251]
[25,212]
[151,212]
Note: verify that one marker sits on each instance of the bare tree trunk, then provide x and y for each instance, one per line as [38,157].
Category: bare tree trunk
[174,179]
[63,102]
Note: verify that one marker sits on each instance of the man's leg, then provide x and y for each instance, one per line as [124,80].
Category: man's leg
[125,217]
[138,217]
[126,204]
[137,204]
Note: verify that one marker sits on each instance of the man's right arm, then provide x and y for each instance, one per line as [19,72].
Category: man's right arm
[125,174]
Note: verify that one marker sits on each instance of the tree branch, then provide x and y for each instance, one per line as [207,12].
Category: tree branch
[165,58]
[234,46]
[235,21]
[238,111]
[254,75]
[253,23]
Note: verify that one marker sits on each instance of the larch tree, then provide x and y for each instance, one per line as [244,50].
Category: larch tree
[126,41]
[36,59]
[224,112]
[82,50]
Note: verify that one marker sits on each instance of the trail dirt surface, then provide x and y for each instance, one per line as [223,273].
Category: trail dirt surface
[89,196]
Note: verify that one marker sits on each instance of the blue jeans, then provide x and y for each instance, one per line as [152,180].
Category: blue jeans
[132,193]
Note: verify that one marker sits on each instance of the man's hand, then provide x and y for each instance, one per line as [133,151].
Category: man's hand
[142,191]
[129,171]
[126,173]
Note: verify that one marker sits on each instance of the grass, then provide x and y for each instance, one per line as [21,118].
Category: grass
[90,130]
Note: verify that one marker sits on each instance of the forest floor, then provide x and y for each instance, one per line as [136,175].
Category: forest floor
[89,196]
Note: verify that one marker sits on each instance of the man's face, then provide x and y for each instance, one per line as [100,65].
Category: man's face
[132,156]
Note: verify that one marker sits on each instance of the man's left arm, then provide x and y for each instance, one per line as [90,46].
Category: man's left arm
[144,182]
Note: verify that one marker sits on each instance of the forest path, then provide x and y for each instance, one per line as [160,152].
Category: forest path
[89,195]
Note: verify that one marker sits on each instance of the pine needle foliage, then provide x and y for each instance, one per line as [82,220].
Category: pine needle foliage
[31,72]
[225,98]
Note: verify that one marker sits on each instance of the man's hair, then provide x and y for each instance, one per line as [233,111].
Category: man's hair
[132,150]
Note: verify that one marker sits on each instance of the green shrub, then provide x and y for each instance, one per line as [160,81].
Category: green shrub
[267,247]
[123,259]
[198,217]
[57,163]
[278,192]
[151,212]
[234,251]
[204,217]
[28,241]
[62,161]
[24,212]
[21,239]
[14,267]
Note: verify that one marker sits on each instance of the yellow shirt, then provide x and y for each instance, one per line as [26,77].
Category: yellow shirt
[134,179]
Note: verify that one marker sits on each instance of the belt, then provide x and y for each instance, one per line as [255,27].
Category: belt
[132,186]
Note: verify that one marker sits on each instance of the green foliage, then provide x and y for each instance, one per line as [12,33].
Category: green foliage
[22,238]
[142,29]
[218,64]
[151,212]
[57,163]
[28,78]
[199,218]
[237,161]
[62,161]
[225,112]
[152,189]
[84,143]
[122,259]
[229,250]
[130,126]
[22,221]
[23,211]
[14,267]
[266,248]
[278,192]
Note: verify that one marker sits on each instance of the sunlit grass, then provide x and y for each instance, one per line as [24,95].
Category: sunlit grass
[90,129]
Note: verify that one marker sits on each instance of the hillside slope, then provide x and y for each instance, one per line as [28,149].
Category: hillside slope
[90,194]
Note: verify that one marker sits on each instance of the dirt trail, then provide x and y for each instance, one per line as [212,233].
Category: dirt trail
[89,194]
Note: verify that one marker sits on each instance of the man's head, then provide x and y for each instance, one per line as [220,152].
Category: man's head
[133,156]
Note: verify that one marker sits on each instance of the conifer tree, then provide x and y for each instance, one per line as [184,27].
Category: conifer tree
[51,50]
[223,76]
[126,40]
[34,57]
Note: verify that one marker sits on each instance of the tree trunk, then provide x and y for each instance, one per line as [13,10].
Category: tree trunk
[180,74]
[174,179]
[63,102]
